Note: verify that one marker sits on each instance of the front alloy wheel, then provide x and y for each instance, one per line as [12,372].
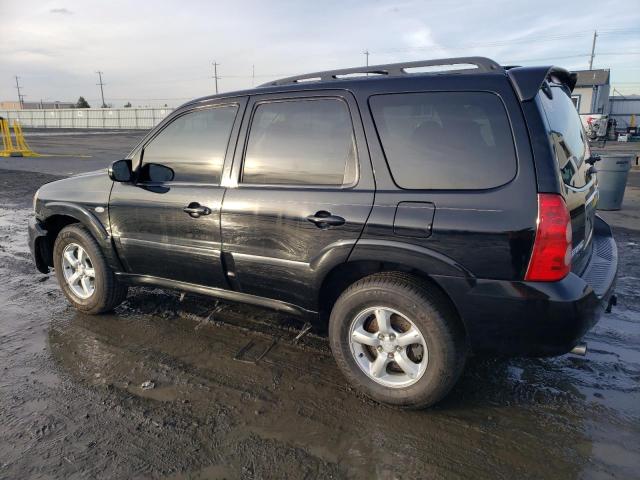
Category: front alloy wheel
[78,271]
[83,273]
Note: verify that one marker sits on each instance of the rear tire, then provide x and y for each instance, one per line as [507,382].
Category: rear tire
[378,310]
[83,274]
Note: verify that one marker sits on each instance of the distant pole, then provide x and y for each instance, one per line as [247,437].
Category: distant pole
[253,75]
[366,54]
[20,96]
[104,105]
[593,49]
[215,74]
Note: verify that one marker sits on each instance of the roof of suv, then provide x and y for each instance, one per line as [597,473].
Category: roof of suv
[527,80]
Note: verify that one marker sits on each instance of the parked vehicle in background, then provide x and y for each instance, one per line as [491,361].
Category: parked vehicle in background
[417,217]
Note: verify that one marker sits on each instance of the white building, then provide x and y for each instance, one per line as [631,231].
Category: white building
[591,93]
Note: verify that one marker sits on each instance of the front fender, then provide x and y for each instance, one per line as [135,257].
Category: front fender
[85,217]
[82,214]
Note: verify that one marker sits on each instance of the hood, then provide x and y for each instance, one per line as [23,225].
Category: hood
[87,191]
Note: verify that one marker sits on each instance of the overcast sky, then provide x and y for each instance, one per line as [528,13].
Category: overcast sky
[156,52]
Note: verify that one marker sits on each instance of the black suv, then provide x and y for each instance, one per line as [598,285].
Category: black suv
[419,216]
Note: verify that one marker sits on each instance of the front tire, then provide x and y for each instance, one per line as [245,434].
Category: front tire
[83,274]
[398,340]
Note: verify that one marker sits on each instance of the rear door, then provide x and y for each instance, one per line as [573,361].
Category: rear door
[300,193]
[169,227]
[571,149]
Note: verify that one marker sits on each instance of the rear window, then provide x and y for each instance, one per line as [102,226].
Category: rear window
[301,142]
[445,140]
[566,134]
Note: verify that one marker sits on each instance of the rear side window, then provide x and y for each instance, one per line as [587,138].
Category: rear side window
[301,142]
[193,145]
[566,134]
[445,140]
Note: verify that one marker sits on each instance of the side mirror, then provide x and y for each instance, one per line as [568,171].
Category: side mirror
[120,171]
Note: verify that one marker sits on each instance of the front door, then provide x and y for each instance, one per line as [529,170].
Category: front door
[301,190]
[167,223]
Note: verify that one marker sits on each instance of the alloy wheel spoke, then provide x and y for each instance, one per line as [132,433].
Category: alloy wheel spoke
[71,260]
[409,337]
[405,363]
[383,317]
[73,279]
[379,365]
[360,335]
[86,285]
[80,255]
[90,272]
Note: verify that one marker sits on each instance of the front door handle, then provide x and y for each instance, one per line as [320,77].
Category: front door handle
[195,210]
[324,219]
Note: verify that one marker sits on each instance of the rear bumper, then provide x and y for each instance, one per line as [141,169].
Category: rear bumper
[537,318]
[38,245]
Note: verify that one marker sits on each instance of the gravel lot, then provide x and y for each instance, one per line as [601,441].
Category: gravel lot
[72,403]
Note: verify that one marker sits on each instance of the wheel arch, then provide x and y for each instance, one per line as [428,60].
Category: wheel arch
[338,279]
[58,215]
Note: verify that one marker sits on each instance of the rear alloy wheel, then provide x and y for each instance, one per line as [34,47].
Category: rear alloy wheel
[398,339]
[388,347]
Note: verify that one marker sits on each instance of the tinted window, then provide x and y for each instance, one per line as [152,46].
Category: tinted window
[440,140]
[193,145]
[566,134]
[301,142]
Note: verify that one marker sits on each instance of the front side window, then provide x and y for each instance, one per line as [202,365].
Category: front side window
[301,142]
[193,146]
[445,140]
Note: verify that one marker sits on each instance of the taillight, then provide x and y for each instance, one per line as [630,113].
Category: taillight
[551,256]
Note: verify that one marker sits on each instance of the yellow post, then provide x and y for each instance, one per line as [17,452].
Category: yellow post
[21,149]
[7,144]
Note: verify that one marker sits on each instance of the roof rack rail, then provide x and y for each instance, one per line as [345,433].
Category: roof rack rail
[482,64]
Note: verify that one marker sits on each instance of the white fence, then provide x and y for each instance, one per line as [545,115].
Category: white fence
[127,118]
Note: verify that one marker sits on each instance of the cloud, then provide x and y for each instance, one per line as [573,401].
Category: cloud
[61,11]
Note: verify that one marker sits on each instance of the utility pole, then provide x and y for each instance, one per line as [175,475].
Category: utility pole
[20,96]
[593,49]
[104,105]
[215,74]
[366,54]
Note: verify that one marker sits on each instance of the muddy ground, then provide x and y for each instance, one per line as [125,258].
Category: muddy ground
[72,405]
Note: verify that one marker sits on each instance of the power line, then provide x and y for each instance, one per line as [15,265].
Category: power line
[502,43]
[104,105]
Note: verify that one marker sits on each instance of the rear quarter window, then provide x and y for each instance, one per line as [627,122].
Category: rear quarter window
[445,140]
[565,134]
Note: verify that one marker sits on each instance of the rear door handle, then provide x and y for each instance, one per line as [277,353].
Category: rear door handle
[195,210]
[324,219]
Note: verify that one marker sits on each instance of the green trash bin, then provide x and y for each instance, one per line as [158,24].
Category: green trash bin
[613,170]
